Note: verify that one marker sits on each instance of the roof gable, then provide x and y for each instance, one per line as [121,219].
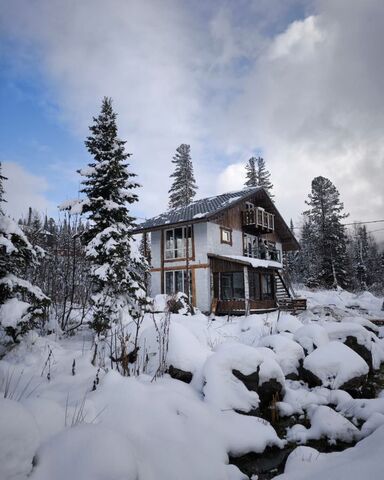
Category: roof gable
[198,210]
[210,208]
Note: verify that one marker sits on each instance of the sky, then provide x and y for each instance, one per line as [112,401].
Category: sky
[297,82]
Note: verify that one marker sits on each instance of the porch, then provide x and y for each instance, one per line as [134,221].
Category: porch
[240,285]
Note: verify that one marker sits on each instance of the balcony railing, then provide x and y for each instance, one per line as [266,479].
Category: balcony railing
[264,254]
[259,218]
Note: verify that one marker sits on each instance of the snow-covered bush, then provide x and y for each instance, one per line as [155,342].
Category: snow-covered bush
[22,305]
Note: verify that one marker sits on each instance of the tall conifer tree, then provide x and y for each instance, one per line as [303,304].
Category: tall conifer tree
[184,186]
[22,304]
[109,189]
[257,175]
[328,233]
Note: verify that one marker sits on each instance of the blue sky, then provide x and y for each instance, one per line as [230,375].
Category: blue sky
[297,81]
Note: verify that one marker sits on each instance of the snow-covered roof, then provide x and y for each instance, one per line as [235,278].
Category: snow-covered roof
[251,262]
[197,210]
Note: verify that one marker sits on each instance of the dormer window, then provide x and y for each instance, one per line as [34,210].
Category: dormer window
[226,235]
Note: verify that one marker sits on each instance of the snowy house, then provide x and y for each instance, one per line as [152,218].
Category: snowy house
[225,252]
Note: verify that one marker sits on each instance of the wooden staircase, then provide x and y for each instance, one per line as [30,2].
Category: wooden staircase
[286,298]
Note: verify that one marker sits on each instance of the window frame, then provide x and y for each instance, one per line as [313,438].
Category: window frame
[226,230]
[171,254]
[174,282]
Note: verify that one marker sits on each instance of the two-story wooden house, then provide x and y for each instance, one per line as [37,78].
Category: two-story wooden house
[224,251]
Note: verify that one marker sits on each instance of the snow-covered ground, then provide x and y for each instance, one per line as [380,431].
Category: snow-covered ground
[64,418]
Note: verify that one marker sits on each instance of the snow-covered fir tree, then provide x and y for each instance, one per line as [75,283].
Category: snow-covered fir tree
[365,261]
[110,189]
[308,262]
[328,234]
[290,261]
[257,175]
[22,304]
[184,186]
[145,252]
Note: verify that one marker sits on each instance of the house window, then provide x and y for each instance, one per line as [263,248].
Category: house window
[250,245]
[176,242]
[254,285]
[177,281]
[267,286]
[226,235]
[229,285]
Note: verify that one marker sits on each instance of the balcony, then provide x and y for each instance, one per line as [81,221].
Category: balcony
[263,253]
[258,218]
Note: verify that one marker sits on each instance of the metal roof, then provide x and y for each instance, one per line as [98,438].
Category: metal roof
[197,210]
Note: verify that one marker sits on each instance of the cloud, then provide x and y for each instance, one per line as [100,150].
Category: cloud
[298,82]
[24,189]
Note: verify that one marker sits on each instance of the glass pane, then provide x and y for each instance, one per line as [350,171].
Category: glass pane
[238,284]
[226,286]
[169,244]
[179,243]
[189,240]
[169,283]
[254,286]
[179,286]
[267,286]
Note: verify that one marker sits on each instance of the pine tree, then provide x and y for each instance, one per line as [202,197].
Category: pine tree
[290,261]
[2,199]
[325,217]
[251,176]
[308,263]
[184,186]
[257,175]
[145,252]
[22,305]
[109,189]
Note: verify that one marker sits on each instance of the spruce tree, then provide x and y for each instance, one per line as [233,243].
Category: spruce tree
[257,175]
[184,186]
[290,261]
[109,189]
[325,216]
[251,176]
[22,304]
[145,252]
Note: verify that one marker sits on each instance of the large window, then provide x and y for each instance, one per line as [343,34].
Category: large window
[267,286]
[229,286]
[177,281]
[250,245]
[176,243]
[261,286]
[254,285]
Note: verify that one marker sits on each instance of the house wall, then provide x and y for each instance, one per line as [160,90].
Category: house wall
[155,249]
[215,246]
[207,239]
[198,265]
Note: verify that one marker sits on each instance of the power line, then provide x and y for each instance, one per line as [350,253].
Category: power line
[363,223]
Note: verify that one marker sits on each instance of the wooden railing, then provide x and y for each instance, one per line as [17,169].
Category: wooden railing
[259,218]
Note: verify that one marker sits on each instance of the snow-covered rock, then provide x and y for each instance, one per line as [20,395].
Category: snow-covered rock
[364,460]
[335,365]
[325,423]
[223,387]
[289,354]
[311,336]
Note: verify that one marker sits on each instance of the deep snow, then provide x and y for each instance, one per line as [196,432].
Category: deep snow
[159,428]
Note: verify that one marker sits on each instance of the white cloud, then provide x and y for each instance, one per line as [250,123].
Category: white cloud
[232,80]
[24,189]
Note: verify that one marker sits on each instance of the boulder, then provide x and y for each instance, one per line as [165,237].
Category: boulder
[335,366]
